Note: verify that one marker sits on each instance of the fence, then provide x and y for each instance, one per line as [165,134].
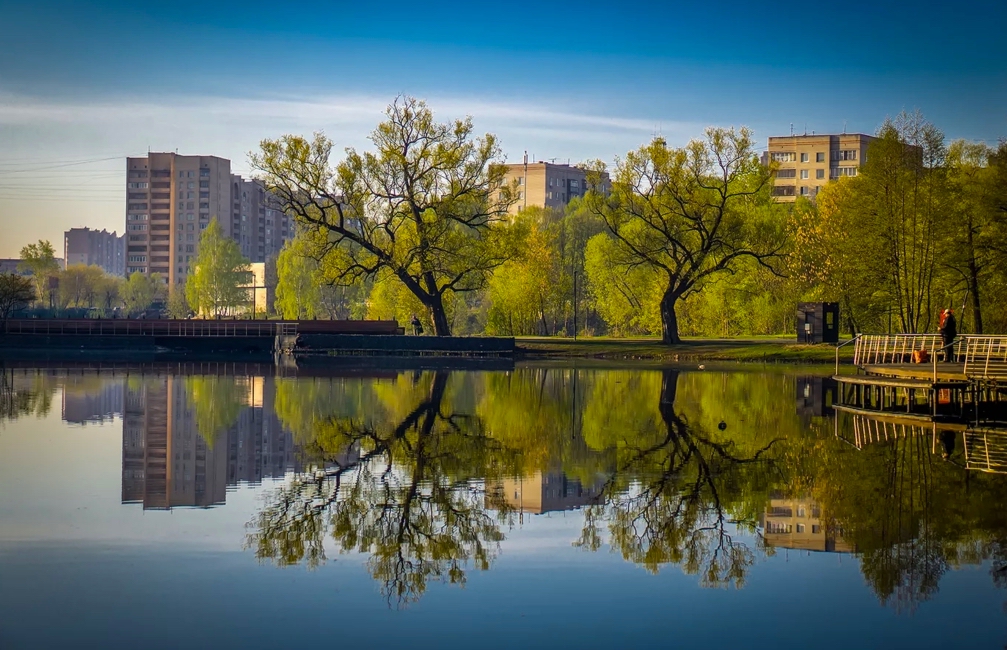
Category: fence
[124,327]
[986,357]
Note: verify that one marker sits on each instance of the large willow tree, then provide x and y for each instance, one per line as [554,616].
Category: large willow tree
[422,207]
[691,214]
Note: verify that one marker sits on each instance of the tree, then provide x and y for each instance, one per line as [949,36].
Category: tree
[79,285]
[178,306]
[424,207]
[16,292]
[140,291]
[220,277]
[690,214]
[297,287]
[39,260]
[973,243]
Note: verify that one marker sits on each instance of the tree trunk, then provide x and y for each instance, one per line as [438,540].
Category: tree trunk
[439,316]
[669,319]
[977,314]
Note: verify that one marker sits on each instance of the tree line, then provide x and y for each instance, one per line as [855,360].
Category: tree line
[688,241]
[218,285]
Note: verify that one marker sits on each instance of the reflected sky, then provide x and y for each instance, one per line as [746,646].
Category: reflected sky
[590,508]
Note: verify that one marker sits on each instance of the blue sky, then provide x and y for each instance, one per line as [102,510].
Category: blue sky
[102,80]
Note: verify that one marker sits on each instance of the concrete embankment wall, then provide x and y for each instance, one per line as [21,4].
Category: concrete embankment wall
[135,344]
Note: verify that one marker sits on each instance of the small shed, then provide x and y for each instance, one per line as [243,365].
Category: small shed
[818,322]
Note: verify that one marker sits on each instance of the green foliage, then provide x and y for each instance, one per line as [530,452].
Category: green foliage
[628,299]
[220,275]
[178,306]
[140,291]
[688,215]
[40,261]
[82,286]
[298,284]
[427,206]
[16,292]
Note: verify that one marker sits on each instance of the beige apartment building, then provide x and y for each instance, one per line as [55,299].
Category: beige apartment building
[98,247]
[805,163]
[170,200]
[548,185]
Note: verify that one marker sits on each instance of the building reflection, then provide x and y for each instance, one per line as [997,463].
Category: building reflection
[167,463]
[83,404]
[799,524]
[540,493]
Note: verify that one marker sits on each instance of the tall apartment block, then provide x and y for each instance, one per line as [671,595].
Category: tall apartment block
[548,185]
[805,163]
[170,200]
[257,223]
[99,247]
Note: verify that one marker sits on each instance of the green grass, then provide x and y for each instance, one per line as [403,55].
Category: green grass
[764,349]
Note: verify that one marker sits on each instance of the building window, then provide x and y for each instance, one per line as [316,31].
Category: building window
[844,154]
[783,190]
[804,174]
[204,173]
[189,237]
[188,248]
[783,156]
[804,190]
[815,529]
[837,172]
[819,173]
[820,156]
[786,173]
[804,157]
[188,217]
[800,528]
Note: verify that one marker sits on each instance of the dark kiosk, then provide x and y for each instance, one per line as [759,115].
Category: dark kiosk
[818,322]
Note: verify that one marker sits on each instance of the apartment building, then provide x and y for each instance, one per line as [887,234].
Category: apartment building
[170,200]
[98,247]
[257,223]
[805,163]
[548,185]
[799,524]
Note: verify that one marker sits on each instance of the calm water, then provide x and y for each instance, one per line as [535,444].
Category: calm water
[542,507]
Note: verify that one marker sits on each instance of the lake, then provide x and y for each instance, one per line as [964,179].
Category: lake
[231,505]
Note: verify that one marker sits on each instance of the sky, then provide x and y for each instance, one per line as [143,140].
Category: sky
[85,84]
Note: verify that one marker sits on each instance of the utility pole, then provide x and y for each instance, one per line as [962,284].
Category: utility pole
[524,181]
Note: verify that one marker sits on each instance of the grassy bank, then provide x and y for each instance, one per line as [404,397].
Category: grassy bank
[757,349]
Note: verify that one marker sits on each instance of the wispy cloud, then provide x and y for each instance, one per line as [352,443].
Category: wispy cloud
[38,132]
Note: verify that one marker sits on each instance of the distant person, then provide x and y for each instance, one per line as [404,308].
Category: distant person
[947,444]
[948,328]
[417,325]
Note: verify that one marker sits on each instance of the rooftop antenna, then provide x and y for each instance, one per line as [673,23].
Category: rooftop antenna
[805,128]
[791,129]
[844,127]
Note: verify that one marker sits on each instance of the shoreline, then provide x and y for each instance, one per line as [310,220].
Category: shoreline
[748,350]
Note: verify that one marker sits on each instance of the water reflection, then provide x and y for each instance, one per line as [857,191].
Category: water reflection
[427,473]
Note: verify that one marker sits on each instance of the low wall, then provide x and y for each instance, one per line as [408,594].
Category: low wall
[93,343]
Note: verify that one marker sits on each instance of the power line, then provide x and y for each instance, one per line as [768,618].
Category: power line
[68,164]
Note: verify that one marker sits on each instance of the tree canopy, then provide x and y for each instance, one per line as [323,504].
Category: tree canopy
[220,277]
[424,207]
[690,214]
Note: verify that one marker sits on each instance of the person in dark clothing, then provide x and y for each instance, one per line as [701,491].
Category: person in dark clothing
[947,443]
[417,326]
[949,330]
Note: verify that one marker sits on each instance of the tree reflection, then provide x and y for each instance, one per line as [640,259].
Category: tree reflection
[677,499]
[404,491]
[22,395]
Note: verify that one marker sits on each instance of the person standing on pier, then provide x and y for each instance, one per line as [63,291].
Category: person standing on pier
[948,328]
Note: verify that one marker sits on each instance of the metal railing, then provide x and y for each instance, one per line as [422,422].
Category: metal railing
[985,356]
[879,349]
[139,327]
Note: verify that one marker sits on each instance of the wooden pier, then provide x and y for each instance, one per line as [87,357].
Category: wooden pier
[967,382]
